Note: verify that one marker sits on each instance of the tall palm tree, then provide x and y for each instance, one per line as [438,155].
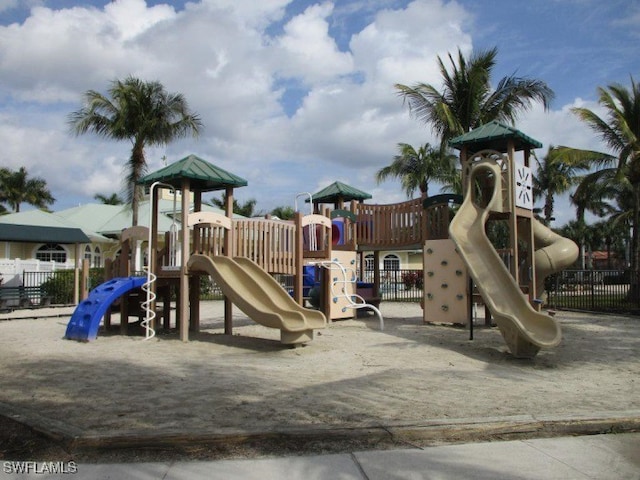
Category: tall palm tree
[556,174]
[620,131]
[416,168]
[467,99]
[604,194]
[17,188]
[143,113]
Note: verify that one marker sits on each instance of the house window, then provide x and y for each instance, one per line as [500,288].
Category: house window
[51,252]
[97,258]
[368,262]
[87,253]
[391,262]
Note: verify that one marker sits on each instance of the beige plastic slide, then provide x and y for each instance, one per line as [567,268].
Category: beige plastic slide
[524,329]
[260,296]
[553,252]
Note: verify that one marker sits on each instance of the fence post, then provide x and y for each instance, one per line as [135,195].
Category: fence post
[84,291]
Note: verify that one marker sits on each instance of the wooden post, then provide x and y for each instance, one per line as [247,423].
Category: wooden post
[85,279]
[513,215]
[298,260]
[76,276]
[228,306]
[376,274]
[152,261]
[533,281]
[194,281]
[184,274]
[353,230]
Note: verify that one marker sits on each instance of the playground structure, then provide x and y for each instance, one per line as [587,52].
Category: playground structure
[499,188]
[242,255]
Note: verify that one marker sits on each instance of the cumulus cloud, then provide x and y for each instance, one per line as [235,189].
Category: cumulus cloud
[308,51]
[292,98]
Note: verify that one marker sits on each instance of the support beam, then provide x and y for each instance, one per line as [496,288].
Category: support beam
[184,274]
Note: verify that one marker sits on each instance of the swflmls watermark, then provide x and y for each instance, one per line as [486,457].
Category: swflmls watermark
[40,468]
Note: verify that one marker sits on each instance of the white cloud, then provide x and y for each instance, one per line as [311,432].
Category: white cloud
[228,58]
[562,127]
[400,46]
[308,51]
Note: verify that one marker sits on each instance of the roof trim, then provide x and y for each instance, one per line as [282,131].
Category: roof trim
[37,234]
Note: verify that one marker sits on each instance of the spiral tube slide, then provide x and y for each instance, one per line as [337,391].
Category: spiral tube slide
[553,253]
[524,329]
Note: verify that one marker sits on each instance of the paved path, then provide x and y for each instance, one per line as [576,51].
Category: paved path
[601,457]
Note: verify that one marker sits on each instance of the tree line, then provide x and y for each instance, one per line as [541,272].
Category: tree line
[606,184]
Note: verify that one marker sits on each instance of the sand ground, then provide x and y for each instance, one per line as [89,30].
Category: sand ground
[352,375]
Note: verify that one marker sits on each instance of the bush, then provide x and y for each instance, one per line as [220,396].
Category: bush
[412,279]
[59,287]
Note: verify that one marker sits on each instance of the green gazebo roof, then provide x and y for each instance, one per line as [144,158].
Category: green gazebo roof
[203,175]
[339,191]
[494,135]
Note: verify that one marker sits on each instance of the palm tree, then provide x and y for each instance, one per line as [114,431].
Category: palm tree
[556,174]
[620,131]
[247,209]
[17,188]
[417,168]
[143,113]
[113,199]
[283,212]
[467,99]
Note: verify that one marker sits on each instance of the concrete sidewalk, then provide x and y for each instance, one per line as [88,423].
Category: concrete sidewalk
[601,457]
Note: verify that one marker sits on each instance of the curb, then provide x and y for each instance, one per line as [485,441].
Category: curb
[333,438]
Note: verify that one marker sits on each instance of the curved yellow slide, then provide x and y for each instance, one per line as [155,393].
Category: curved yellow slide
[524,329]
[260,296]
[553,252]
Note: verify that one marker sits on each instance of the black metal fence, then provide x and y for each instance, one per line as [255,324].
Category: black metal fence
[399,285]
[588,290]
[56,287]
[395,285]
[592,290]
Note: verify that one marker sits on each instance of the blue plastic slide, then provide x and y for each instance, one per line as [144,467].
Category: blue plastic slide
[85,320]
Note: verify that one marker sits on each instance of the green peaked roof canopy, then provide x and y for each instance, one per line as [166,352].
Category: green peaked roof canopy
[203,175]
[339,191]
[494,135]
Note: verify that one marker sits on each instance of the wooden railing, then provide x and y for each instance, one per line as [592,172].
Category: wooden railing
[276,244]
[269,243]
[400,225]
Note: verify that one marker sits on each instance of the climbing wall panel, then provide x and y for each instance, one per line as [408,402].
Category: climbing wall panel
[445,284]
[342,288]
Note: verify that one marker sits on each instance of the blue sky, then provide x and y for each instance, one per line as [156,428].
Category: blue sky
[293,94]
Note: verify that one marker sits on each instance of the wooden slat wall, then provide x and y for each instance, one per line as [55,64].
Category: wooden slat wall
[269,243]
[208,239]
[438,218]
[391,226]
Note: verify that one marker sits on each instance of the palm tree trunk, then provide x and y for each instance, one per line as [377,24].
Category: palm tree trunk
[634,291]
[548,209]
[137,166]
